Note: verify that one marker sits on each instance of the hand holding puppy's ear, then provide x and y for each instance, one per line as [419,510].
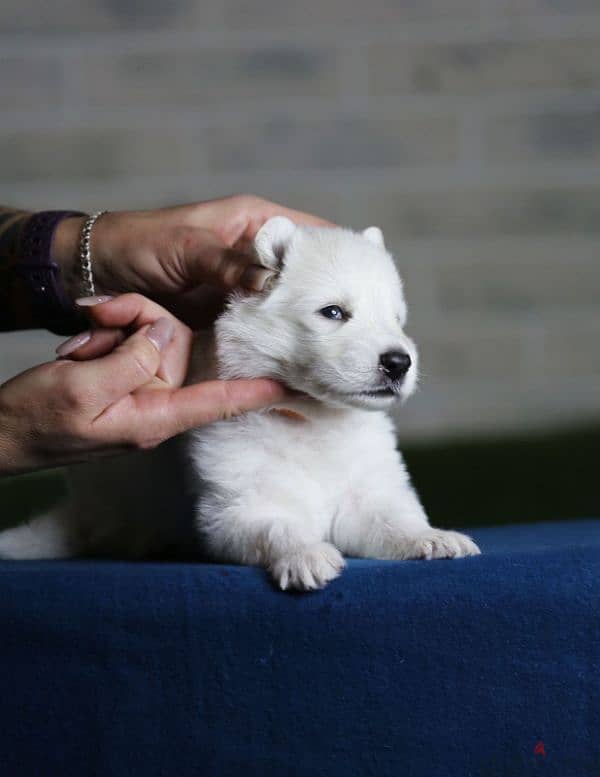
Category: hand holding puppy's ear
[231,268]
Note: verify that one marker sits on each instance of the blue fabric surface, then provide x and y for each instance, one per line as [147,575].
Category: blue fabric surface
[451,668]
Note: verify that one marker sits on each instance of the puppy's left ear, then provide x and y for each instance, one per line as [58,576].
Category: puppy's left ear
[272,239]
[374,235]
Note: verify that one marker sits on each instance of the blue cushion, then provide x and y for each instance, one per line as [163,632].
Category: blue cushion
[482,666]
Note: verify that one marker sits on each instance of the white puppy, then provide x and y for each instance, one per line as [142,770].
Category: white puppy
[293,488]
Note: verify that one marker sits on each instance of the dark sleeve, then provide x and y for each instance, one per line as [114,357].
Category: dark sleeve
[32,292]
[15,309]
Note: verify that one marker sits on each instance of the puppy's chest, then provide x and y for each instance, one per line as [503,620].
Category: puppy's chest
[326,451]
[274,450]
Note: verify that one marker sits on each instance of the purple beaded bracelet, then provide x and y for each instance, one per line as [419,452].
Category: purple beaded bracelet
[51,307]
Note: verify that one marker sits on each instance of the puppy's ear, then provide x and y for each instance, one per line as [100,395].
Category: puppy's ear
[272,239]
[374,235]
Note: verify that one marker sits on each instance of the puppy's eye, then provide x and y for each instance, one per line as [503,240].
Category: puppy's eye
[334,312]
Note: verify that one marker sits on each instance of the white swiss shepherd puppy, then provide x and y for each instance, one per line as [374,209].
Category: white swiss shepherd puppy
[295,488]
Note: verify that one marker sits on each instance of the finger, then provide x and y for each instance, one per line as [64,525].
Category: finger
[217,400]
[91,344]
[133,311]
[297,216]
[125,310]
[207,259]
[154,416]
[134,363]
[242,215]
[257,211]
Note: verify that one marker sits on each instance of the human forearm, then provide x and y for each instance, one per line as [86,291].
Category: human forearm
[14,307]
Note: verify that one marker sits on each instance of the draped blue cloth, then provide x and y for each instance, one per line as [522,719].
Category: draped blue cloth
[476,667]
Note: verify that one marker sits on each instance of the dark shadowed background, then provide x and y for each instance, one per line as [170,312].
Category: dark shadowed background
[469,131]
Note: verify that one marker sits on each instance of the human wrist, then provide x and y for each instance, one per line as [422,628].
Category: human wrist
[105,253]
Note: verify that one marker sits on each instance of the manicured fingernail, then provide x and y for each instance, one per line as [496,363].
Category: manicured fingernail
[161,333]
[259,279]
[88,302]
[64,349]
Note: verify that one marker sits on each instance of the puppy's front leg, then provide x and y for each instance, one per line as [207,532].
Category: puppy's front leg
[306,567]
[393,525]
[290,546]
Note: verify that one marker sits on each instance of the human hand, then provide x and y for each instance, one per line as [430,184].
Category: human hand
[121,389]
[186,257]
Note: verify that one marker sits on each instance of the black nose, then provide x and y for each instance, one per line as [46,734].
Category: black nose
[395,364]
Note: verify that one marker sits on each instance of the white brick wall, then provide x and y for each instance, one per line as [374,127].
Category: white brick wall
[468,130]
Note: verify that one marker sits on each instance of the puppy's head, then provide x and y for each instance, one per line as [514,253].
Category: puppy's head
[332,323]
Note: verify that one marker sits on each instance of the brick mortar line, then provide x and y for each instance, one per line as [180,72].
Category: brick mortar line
[528,404]
[486,387]
[462,324]
[428,179]
[471,142]
[354,76]
[402,107]
[523,29]
[426,244]
[444,430]
[532,347]
[493,326]
[247,41]
[493,11]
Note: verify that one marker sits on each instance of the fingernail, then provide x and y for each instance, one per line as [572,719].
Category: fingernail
[259,279]
[64,349]
[161,333]
[88,302]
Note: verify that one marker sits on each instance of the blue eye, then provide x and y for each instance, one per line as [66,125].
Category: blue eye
[334,312]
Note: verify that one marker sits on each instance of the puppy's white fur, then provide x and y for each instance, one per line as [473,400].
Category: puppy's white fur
[291,491]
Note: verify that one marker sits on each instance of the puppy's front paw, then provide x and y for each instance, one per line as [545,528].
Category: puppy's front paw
[438,543]
[308,567]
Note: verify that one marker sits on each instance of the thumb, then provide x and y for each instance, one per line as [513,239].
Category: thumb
[207,259]
[204,403]
[131,365]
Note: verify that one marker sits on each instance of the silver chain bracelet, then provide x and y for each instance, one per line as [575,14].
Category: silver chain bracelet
[85,255]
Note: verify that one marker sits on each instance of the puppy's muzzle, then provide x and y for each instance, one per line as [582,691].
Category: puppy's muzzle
[394,364]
